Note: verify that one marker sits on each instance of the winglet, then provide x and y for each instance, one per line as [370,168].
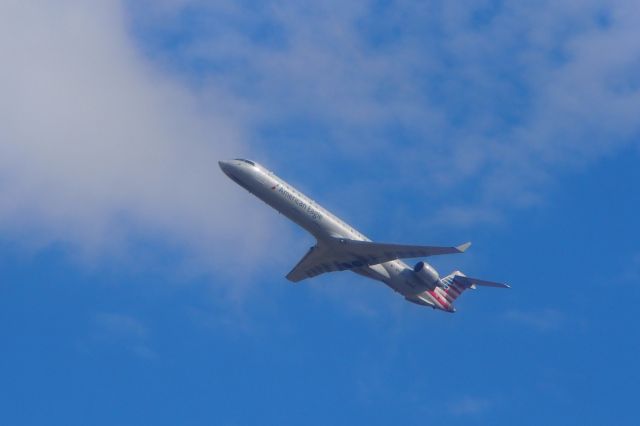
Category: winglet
[463,247]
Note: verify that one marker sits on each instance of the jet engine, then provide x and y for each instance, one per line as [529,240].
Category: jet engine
[427,275]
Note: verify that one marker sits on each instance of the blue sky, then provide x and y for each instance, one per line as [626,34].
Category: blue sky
[138,285]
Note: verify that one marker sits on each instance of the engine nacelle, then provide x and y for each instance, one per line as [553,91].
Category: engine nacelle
[427,275]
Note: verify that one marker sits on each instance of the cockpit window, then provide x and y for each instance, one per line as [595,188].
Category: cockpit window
[246,161]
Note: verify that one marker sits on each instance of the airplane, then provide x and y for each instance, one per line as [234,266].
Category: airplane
[340,247]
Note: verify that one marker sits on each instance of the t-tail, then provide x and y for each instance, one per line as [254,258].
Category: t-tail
[453,285]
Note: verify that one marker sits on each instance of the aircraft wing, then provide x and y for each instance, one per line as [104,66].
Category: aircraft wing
[317,261]
[343,254]
[376,253]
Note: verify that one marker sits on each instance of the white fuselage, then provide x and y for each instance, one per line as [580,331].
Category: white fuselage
[318,221]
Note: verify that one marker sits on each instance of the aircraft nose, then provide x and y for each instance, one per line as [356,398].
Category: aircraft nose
[225,166]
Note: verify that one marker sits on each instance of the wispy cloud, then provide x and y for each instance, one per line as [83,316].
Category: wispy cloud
[631,269]
[470,406]
[487,99]
[125,331]
[543,320]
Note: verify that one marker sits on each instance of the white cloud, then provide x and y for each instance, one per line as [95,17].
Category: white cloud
[98,147]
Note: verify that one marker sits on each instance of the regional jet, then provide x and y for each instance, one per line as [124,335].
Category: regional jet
[340,247]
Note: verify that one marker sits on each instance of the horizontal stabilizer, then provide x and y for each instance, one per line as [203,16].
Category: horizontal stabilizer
[469,282]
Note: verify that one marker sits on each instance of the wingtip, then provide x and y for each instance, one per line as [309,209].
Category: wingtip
[463,247]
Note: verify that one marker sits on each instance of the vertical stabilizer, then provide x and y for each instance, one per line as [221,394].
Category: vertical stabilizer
[453,288]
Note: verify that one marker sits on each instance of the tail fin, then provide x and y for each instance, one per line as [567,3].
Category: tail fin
[452,286]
